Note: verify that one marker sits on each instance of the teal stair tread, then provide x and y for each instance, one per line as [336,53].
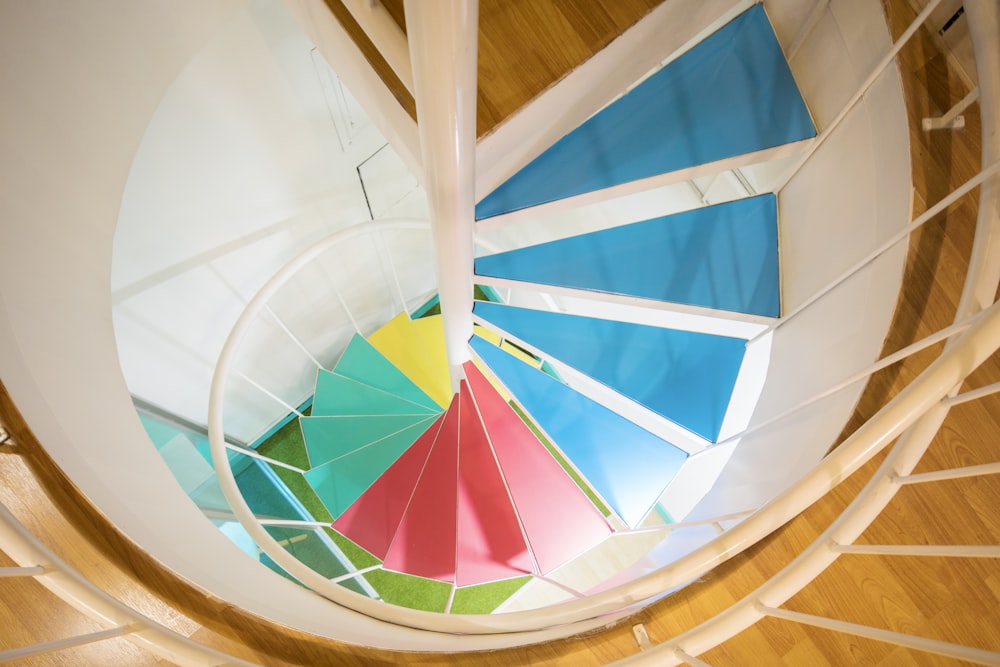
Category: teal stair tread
[338,396]
[362,362]
[342,481]
[329,438]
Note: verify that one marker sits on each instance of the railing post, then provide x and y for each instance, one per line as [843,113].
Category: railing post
[443,38]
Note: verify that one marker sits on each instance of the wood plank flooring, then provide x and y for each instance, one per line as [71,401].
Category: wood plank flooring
[957,600]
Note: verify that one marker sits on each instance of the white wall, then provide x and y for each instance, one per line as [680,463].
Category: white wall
[81,82]
[251,155]
[852,195]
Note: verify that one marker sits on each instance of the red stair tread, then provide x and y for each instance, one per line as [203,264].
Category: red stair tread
[490,542]
[424,544]
[559,520]
[374,517]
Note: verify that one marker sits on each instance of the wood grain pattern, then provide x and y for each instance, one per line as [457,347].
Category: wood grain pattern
[954,600]
[524,46]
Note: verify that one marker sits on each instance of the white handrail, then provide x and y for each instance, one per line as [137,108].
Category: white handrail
[75,589]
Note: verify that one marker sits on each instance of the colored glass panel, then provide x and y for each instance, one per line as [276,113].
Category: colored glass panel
[685,376]
[627,465]
[337,395]
[729,95]
[416,348]
[329,438]
[723,256]
[373,519]
[558,519]
[341,482]
[425,542]
[362,362]
[490,543]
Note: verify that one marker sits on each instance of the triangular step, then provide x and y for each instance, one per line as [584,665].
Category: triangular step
[490,545]
[362,362]
[416,348]
[627,465]
[425,540]
[372,521]
[723,257]
[338,396]
[559,521]
[684,376]
[329,438]
[340,482]
[730,95]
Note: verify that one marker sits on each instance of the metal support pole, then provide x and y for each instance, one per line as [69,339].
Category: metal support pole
[69,642]
[947,649]
[443,38]
[22,571]
[952,473]
[938,550]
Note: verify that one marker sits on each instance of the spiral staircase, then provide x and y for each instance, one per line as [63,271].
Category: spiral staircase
[515,459]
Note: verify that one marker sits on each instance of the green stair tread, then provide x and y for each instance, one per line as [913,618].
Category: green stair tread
[338,396]
[329,438]
[342,481]
[361,361]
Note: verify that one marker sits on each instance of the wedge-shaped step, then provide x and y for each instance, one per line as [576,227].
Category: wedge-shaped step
[730,95]
[416,347]
[372,521]
[460,524]
[362,362]
[723,257]
[329,438]
[425,539]
[628,466]
[684,376]
[338,396]
[341,481]
[558,519]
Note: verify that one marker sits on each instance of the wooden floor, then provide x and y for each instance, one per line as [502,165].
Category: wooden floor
[957,600]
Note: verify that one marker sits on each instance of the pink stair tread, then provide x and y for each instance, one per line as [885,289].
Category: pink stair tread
[424,544]
[373,519]
[559,520]
[490,543]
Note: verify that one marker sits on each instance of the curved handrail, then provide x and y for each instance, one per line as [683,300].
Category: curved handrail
[965,352]
[75,589]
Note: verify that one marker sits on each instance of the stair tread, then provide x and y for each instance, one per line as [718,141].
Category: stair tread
[702,107]
[687,377]
[329,438]
[361,361]
[723,257]
[629,478]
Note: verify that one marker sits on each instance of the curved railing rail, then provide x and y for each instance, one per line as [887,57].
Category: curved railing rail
[563,619]
[915,414]
[40,562]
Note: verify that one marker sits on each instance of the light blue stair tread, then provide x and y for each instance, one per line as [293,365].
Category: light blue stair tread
[339,483]
[362,362]
[628,466]
[264,493]
[730,95]
[723,257]
[684,376]
[337,395]
[328,438]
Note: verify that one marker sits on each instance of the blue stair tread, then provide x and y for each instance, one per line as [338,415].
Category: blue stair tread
[337,395]
[362,362]
[342,481]
[628,466]
[730,95]
[723,257]
[686,377]
[328,438]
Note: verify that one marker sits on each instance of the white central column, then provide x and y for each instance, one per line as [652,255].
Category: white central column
[443,36]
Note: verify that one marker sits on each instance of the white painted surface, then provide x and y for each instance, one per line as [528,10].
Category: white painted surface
[852,195]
